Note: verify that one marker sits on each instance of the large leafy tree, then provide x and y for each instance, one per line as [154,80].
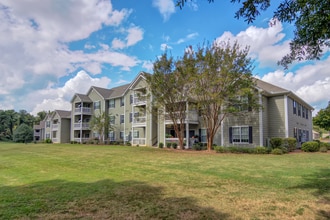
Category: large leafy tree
[23,134]
[223,84]
[169,88]
[322,119]
[101,124]
[310,17]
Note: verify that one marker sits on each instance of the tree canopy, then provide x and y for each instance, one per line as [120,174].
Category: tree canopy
[322,119]
[310,17]
[23,134]
[216,79]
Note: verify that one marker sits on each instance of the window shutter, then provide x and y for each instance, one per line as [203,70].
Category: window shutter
[199,135]
[250,135]
[230,135]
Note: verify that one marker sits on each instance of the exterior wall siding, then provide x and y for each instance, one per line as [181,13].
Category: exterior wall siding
[276,119]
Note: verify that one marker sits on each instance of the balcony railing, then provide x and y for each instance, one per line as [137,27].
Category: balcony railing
[139,141]
[83,110]
[192,117]
[139,121]
[140,100]
[81,139]
[55,140]
[81,125]
[55,126]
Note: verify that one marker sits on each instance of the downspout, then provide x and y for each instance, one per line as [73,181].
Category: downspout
[261,123]
[124,122]
[286,118]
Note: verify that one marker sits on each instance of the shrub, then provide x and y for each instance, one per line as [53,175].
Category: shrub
[161,145]
[128,143]
[324,144]
[260,150]
[197,146]
[323,149]
[174,145]
[23,134]
[48,141]
[276,142]
[310,146]
[290,143]
[168,145]
[277,151]
[220,149]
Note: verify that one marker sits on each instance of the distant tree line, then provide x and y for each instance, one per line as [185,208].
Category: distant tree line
[18,126]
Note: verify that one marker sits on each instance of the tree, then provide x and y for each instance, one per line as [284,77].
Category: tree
[223,84]
[322,119]
[310,17]
[23,133]
[169,88]
[101,124]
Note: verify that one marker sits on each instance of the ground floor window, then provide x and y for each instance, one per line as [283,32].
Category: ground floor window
[240,134]
[203,135]
[112,135]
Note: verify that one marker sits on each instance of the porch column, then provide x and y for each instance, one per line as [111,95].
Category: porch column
[187,126]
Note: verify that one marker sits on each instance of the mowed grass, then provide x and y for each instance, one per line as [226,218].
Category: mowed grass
[53,181]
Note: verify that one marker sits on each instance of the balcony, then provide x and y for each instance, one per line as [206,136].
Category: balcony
[140,100]
[140,121]
[37,133]
[191,118]
[54,126]
[81,126]
[83,110]
[139,141]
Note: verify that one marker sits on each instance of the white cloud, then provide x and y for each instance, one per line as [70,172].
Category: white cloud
[134,35]
[164,47]
[36,35]
[165,7]
[187,38]
[310,82]
[50,98]
[148,65]
[266,44]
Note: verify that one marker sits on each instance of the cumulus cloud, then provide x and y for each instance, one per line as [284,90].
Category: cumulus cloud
[134,35]
[165,7]
[52,98]
[164,47]
[311,82]
[37,38]
[266,44]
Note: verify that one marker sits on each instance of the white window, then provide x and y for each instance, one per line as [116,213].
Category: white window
[97,105]
[112,119]
[241,134]
[122,119]
[112,135]
[121,135]
[122,101]
[203,136]
[112,103]
[136,134]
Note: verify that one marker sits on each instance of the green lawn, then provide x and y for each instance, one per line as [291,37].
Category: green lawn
[51,181]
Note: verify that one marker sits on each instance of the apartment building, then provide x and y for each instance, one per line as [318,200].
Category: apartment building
[55,126]
[283,114]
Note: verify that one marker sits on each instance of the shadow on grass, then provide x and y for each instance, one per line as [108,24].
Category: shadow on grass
[106,199]
[320,182]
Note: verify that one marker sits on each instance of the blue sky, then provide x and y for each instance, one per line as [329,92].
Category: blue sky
[52,49]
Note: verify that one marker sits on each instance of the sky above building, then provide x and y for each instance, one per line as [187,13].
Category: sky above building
[52,49]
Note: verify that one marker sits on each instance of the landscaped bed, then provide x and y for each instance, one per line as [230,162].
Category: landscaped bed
[59,181]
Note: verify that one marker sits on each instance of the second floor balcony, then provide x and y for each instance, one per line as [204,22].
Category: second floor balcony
[55,126]
[81,126]
[188,117]
[83,110]
[139,121]
[139,99]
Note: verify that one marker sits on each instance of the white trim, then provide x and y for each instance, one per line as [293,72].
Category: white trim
[261,124]
[286,117]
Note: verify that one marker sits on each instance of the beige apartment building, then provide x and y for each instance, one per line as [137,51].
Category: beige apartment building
[283,114]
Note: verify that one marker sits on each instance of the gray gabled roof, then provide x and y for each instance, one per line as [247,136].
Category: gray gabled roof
[63,113]
[82,97]
[118,91]
[105,93]
[270,88]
